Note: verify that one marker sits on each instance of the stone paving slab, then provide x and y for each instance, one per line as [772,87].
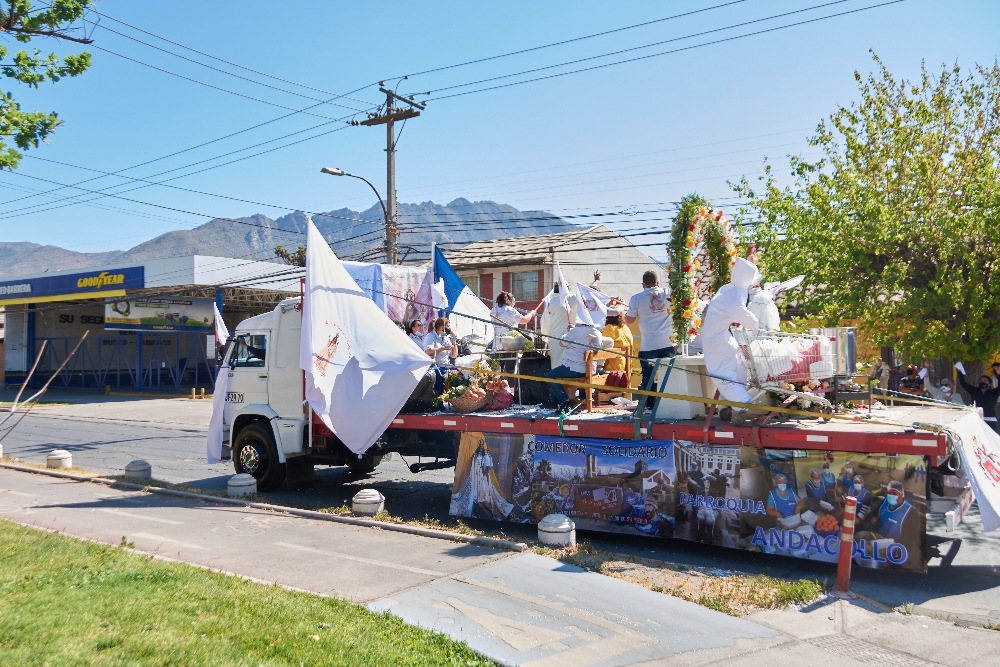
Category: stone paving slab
[533,610]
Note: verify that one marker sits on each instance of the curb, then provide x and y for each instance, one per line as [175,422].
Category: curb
[308,514]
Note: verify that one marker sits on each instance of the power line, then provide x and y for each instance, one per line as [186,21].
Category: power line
[219,88]
[217,69]
[639,48]
[201,145]
[570,41]
[104,192]
[627,157]
[208,55]
[652,55]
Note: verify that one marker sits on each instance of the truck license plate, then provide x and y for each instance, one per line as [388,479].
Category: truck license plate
[234,397]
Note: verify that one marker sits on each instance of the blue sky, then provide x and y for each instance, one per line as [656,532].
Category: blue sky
[629,135]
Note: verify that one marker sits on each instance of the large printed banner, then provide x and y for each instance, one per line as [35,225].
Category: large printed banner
[979,447]
[160,314]
[773,501]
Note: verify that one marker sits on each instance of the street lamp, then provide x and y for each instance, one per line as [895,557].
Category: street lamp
[390,228]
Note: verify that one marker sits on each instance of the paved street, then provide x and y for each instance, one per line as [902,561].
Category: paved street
[104,433]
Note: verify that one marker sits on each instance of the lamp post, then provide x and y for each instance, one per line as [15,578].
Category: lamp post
[390,228]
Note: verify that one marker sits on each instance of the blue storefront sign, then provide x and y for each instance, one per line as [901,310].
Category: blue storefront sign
[112,282]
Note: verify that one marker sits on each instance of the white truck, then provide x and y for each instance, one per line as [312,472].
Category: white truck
[266,425]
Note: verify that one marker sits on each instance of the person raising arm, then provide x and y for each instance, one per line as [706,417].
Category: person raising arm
[506,317]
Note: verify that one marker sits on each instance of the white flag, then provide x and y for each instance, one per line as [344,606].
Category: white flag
[213,445]
[360,367]
[438,298]
[595,303]
[221,332]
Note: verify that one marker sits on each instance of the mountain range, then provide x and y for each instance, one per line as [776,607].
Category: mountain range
[352,234]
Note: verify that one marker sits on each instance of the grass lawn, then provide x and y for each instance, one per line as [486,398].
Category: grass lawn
[68,602]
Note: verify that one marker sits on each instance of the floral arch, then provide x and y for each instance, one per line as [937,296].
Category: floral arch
[697,226]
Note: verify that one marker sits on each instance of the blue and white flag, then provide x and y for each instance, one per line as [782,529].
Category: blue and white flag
[462,302]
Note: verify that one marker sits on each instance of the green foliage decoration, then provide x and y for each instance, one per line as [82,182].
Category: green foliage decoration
[685,236]
[897,225]
[19,18]
[696,223]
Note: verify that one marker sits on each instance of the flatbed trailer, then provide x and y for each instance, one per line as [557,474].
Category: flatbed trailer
[859,436]
[706,481]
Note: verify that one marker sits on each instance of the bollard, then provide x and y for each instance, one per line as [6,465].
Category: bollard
[367,502]
[201,393]
[241,485]
[192,394]
[842,589]
[139,469]
[59,458]
[557,530]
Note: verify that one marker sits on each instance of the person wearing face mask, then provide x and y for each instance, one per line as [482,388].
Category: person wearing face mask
[815,490]
[946,392]
[864,497]
[830,482]
[782,501]
[985,396]
[896,517]
[847,478]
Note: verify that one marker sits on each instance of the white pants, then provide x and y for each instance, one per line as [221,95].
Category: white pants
[727,369]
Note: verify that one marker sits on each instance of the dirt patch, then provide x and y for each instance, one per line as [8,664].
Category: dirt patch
[728,591]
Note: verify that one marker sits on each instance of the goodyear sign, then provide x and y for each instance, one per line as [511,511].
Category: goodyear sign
[112,282]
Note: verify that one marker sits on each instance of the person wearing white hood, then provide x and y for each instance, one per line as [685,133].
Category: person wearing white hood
[583,336]
[722,356]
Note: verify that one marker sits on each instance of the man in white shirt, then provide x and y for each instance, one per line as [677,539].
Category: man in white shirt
[505,317]
[650,307]
[441,346]
[576,342]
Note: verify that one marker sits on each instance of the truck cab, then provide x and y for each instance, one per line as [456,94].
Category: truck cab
[266,423]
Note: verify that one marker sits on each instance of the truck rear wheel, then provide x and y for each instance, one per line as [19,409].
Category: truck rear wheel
[256,454]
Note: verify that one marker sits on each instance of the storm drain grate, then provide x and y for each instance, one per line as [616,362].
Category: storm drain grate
[862,651]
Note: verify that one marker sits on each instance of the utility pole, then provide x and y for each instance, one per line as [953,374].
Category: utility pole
[391,115]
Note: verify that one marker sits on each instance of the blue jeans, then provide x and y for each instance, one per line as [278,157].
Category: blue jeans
[558,393]
[647,368]
[439,374]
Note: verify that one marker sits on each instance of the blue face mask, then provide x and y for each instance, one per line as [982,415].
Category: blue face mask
[892,500]
[849,471]
[781,487]
[857,487]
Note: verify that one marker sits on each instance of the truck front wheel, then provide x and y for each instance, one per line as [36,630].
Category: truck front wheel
[256,454]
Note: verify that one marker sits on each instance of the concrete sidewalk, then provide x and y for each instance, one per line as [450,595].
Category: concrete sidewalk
[517,609]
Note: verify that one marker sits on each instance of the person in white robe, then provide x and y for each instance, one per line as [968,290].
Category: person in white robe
[722,355]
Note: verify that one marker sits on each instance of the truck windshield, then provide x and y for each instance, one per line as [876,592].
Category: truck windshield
[249,351]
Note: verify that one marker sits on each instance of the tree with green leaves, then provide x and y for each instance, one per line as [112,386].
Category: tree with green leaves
[56,19]
[897,225]
[295,258]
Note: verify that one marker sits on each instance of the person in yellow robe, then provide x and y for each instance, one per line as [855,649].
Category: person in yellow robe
[616,330]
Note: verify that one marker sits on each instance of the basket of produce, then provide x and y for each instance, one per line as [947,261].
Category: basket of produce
[472,399]
[827,525]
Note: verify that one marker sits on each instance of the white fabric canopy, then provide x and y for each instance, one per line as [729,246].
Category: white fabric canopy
[360,367]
